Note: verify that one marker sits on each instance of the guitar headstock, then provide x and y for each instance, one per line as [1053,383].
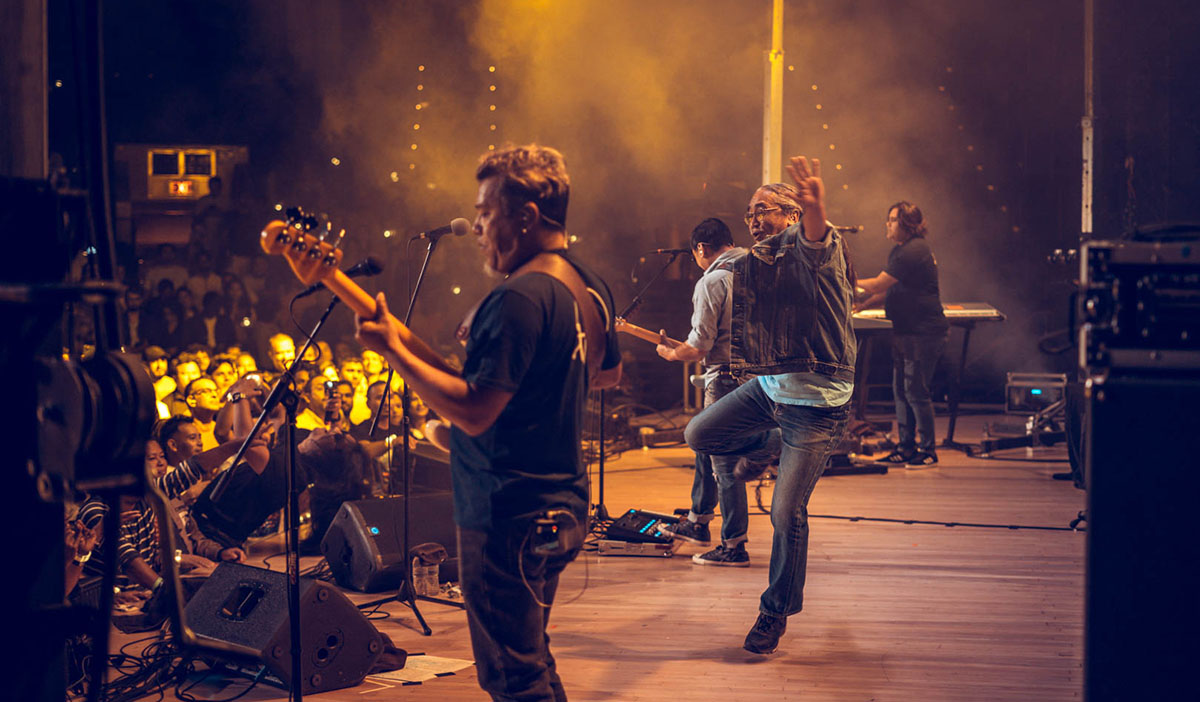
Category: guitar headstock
[311,248]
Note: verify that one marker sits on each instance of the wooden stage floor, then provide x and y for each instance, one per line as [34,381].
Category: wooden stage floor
[893,611]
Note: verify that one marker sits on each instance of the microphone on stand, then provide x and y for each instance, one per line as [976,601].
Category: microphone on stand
[671,251]
[365,268]
[458,227]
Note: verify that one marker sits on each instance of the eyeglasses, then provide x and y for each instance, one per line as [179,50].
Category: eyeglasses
[759,214]
[204,391]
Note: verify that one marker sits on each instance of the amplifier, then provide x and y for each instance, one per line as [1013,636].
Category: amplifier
[1138,305]
[1030,393]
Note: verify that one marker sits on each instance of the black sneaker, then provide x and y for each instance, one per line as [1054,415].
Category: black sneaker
[923,458]
[689,531]
[747,470]
[764,637]
[735,557]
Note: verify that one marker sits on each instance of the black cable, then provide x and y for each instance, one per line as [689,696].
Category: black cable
[975,525]
[303,331]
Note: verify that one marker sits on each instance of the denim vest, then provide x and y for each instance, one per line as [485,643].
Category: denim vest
[791,308]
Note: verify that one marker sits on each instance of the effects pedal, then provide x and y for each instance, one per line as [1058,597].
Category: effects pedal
[606,547]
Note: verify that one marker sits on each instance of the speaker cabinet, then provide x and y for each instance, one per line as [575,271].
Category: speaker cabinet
[247,607]
[364,544]
[1143,479]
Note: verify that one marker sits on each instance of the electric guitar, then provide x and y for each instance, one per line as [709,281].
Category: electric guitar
[316,256]
[643,333]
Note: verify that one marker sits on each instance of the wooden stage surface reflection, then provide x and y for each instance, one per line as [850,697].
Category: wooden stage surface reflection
[893,611]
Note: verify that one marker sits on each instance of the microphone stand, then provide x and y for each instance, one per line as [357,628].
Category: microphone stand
[285,394]
[601,512]
[407,592]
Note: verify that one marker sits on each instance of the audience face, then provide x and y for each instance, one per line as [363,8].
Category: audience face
[156,460]
[185,373]
[204,395]
[330,372]
[312,353]
[375,397]
[352,372]
[183,297]
[316,393]
[223,375]
[203,360]
[186,441]
[158,367]
[246,364]
[346,393]
[372,363]
[283,351]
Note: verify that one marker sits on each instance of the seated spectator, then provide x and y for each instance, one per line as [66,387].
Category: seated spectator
[373,366]
[315,399]
[246,364]
[283,352]
[223,373]
[204,401]
[201,354]
[185,370]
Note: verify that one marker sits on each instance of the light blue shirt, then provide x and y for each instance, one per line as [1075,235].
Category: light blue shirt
[711,313]
[809,389]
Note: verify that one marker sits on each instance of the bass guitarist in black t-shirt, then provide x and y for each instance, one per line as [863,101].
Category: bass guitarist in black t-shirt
[535,345]
[908,286]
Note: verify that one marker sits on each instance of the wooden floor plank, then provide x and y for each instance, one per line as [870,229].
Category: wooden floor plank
[892,611]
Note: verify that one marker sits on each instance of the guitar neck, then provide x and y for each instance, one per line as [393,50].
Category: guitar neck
[350,293]
[642,333]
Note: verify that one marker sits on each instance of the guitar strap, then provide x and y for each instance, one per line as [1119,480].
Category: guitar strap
[587,301]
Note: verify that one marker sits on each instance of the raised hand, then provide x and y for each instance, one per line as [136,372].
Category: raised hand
[812,194]
[808,181]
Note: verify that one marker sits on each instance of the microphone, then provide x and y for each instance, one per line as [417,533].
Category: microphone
[848,230]
[671,251]
[367,267]
[458,227]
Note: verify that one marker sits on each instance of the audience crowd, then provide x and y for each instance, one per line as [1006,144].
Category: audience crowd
[214,347]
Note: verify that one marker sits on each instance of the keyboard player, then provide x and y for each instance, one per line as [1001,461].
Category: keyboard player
[908,288]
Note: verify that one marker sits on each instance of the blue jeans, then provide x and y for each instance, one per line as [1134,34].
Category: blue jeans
[713,482]
[914,358]
[507,626]
[738,424]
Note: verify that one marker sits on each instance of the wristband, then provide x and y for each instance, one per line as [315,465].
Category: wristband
[157,583]
[235,397]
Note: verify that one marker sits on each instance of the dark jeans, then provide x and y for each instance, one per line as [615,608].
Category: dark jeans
[508,627]
[713,482]
[914,359]
[740,424]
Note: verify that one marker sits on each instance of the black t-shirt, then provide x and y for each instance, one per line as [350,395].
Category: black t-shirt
[913,304]
[525,339]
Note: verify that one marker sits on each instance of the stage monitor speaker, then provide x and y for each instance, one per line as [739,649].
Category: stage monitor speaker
[248,608]
[363,544]
[1143,557]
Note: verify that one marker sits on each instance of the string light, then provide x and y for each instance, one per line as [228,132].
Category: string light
[456,290]
[336,161]
[394,176]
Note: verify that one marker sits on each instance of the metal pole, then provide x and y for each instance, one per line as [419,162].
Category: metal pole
[772,168]
[1089,107]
